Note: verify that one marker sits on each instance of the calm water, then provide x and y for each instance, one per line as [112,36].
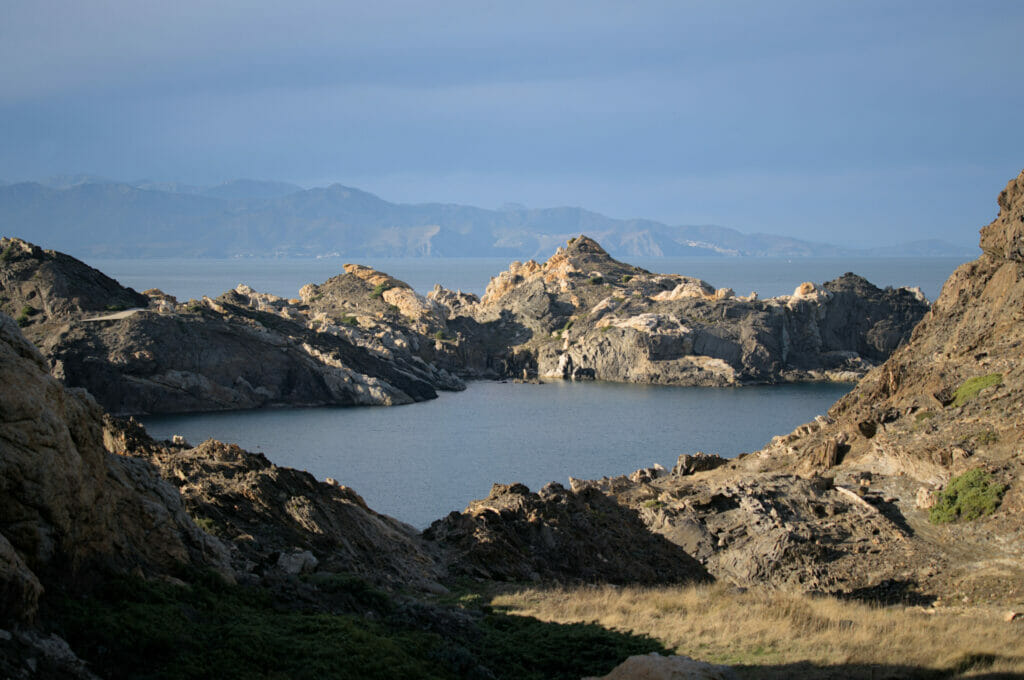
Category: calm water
[193,278]
[421,461]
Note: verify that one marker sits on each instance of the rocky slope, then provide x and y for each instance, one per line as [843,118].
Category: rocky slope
[70,509]
[584,315]
[842,503]
[148,354]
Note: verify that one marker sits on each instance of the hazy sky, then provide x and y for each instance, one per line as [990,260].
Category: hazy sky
[854,122]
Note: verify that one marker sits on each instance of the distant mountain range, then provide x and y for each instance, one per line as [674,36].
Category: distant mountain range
[91,216]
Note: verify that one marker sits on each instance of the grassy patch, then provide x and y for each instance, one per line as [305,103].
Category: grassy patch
[349,320]
[626,278]
[440,335]
[970,388]
[596,280]
[766,631]
[378,290]
[923,416]
[8,254]
[653,503]
[967,497]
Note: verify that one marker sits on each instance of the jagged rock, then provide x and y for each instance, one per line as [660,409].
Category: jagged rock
[654,666]
[688,464]
[280,517]
[558,534]
[584,310]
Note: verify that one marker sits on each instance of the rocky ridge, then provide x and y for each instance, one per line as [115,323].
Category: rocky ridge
[842,503]
[584,315]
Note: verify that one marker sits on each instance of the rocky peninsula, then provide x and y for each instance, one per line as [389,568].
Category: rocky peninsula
[364,337]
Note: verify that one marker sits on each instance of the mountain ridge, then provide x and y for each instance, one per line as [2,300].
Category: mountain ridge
[92,216]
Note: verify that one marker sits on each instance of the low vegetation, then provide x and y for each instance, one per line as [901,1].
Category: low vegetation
[596,280]
[970,388]
[378,290]
[969,496]
[26,314]
[349,320]
[131,628]
[773,634]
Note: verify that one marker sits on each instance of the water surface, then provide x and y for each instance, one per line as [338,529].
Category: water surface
[421,461]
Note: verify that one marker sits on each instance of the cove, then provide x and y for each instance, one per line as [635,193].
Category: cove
[419,462]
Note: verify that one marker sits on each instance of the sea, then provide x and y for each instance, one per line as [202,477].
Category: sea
[421,461]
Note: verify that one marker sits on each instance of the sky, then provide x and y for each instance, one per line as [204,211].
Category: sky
[861,123]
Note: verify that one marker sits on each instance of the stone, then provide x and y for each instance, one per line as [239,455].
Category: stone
[297,562]
[654,666]
[688,464]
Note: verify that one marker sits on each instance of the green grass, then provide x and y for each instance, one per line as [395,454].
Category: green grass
[378,290]
[970,388]
[349,320]
[8,253]
[596,280]
[116,308]
[967,497]
[132,628]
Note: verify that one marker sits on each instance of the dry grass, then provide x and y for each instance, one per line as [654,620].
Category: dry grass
[789,634]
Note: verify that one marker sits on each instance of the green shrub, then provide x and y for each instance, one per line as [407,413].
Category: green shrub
[967,497]
[24,317]
[923,416]
[626,278]
[596,280]
[116,308]
[378,290]
[440,335]
[349,320]
[653,503]
[970,388]
[8,253]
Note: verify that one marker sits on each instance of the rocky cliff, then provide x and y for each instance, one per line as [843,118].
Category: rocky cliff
[843,503]
[584,315]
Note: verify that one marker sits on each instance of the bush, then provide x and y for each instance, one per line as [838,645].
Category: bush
[970,388]
[596,280]
[116,308]
[626,278]
[440,335]
[24,317]
[967,497]
[349,320]
[8,254]
[378,290]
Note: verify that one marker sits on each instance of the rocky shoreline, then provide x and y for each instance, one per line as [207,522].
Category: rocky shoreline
[845,505]
[366,338]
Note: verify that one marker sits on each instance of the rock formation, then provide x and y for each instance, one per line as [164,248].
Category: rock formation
[242,350]
[584,315]
[557,534]
[275,517]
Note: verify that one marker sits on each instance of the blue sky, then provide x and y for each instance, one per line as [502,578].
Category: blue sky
[860,123]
